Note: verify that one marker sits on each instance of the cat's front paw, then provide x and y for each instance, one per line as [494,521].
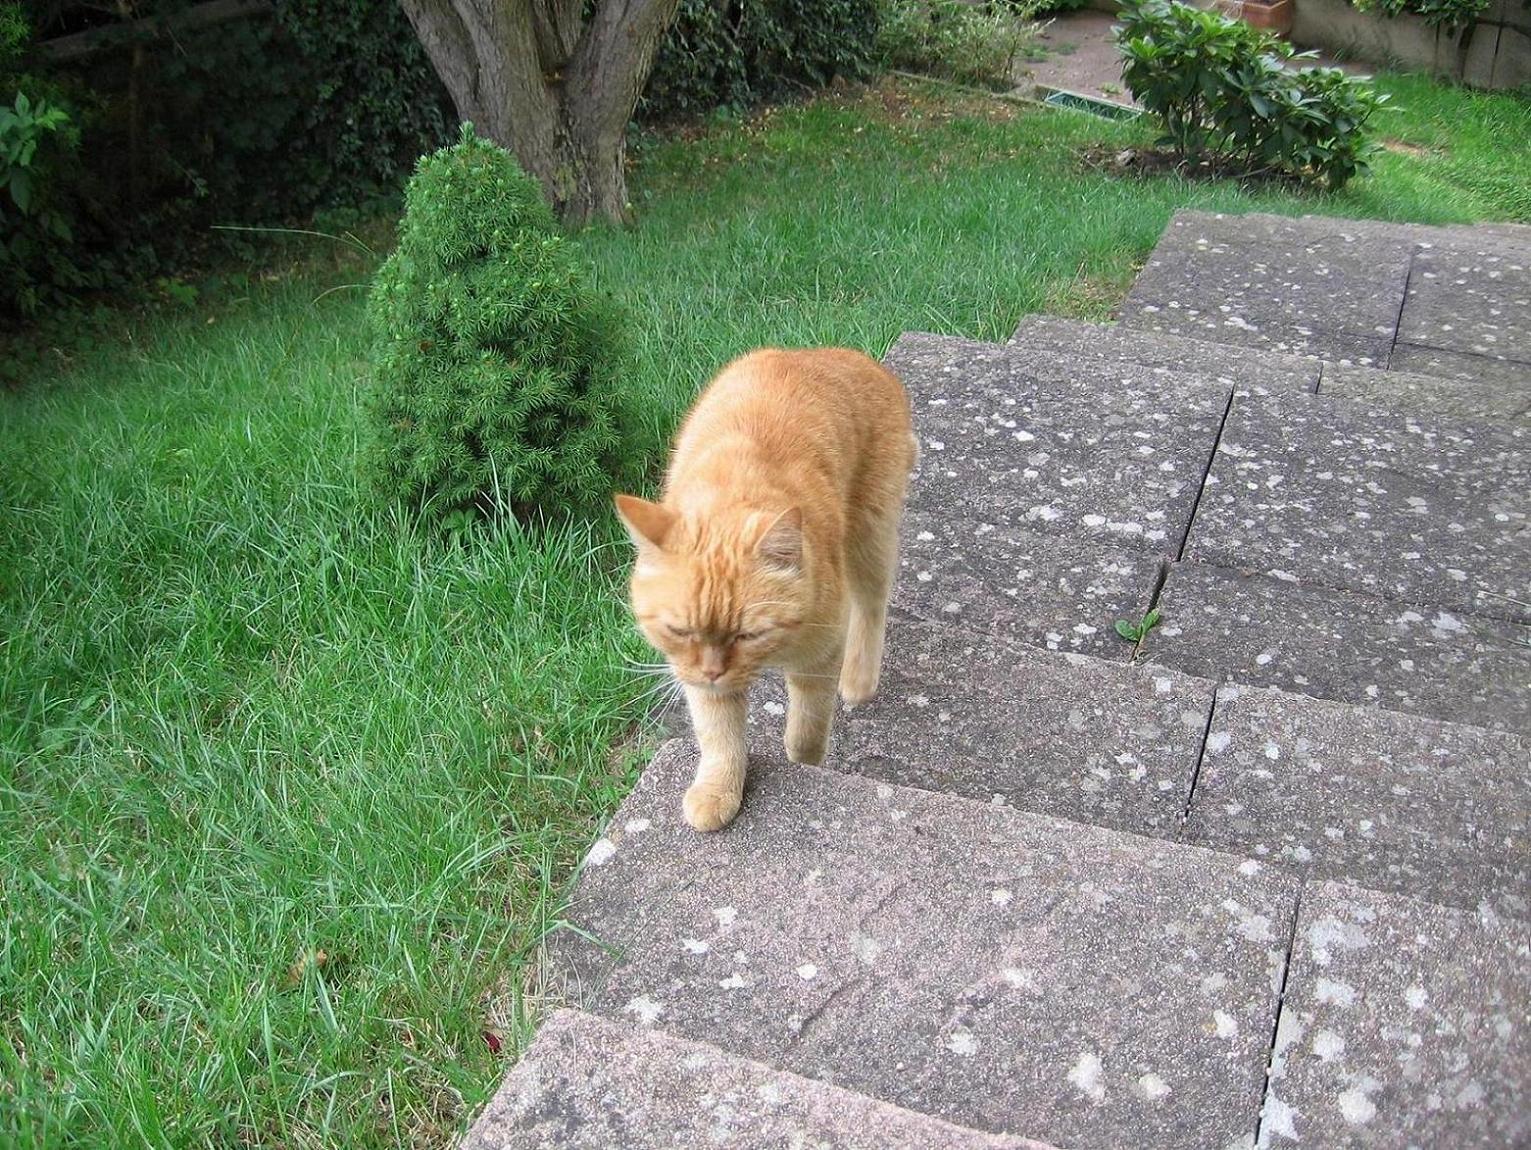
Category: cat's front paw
[807,750]
[708,808]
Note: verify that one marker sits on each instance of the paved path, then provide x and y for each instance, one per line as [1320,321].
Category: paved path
[1262,879]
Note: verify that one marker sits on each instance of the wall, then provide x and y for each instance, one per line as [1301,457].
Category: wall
[1498,55]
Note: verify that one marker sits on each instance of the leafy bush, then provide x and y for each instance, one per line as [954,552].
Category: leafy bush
[493,386]
[1448,14]
[371,103]
[955,40]
[1224,89]
[39,145]
[33,233]
[731,53]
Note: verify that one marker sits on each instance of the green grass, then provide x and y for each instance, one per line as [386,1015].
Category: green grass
[245,717]
[245,720]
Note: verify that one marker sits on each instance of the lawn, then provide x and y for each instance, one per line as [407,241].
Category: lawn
[289,792]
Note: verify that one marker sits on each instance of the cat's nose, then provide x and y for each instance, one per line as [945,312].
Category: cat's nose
[714,663]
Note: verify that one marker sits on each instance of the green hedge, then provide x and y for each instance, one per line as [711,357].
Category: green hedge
[1224,89]
[496,381]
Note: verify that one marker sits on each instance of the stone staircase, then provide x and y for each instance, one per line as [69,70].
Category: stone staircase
[1262,878]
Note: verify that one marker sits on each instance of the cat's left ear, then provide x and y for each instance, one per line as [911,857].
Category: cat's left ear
[782,544]
[648,523]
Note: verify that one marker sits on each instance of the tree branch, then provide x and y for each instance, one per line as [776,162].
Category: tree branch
[78,45]
[557,25]
[444,36]
[614,56]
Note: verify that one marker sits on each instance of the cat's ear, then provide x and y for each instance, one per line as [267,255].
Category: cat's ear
[782,544]
[648,523]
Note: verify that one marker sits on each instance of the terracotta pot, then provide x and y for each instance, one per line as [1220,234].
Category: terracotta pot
[1271,15]
[1274,17]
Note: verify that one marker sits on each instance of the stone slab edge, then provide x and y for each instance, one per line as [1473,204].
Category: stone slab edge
[587,1083]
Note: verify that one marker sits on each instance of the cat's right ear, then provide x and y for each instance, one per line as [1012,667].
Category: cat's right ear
[648,523]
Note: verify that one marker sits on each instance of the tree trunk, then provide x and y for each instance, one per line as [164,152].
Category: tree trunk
[555,89]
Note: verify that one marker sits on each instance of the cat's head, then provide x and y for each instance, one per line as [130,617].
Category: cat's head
[721,596]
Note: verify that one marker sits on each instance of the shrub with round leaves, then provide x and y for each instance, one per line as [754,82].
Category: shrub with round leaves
[494,367]
[1227,89]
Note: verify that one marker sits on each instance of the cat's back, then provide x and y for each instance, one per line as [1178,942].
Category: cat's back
[800,397]
[827,429]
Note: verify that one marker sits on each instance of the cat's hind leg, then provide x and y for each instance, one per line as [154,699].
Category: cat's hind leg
[873,561]
[713,798]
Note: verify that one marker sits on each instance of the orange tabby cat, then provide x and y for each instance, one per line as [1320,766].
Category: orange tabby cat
[775,545]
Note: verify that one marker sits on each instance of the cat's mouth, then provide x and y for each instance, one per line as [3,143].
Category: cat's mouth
[721,687]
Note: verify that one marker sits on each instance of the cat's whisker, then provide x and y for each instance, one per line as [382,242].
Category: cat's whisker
[650,672]
[663,693]
[660,695]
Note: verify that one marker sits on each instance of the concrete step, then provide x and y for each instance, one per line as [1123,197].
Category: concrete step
[1434,810]
[1478,394]
[1402,1024]
[999,970]
[1368,387]
[1512,236]
[1393,801]
[587,1083]
[1305,291]
[1114,456]
[1048,591]
[1463,367]
[1468,298]
[1454,302]
[1424,510]
[1235,366]
[1076,737]
[1419,658]
[1263,227]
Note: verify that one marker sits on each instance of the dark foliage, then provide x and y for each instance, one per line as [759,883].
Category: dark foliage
[732,53]
[253,122]
[1448,14]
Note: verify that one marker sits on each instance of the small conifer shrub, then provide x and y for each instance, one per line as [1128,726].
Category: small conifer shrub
[494,366]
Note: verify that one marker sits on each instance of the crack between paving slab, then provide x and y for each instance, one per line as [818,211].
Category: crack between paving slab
[884,900]
[1286,973]
[1201,757]
[835,995]
[1217,441]
[1408,277]
[1153,602]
